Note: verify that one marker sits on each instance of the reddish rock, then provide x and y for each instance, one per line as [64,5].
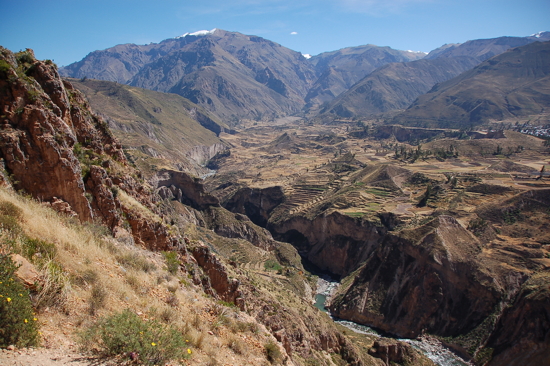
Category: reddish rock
[46,127]
[104,203]
[150,234]
[27,272]
[226,288]
[61,206]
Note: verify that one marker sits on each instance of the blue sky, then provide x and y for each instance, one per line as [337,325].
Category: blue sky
[67,30]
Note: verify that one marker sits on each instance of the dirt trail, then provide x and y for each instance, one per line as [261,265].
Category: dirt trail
[45,357]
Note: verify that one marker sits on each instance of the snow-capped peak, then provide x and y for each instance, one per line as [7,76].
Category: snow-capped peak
[198,33]
[537,35]
[306,55]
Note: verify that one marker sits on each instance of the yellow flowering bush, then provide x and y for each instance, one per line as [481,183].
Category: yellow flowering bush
[18,325]
[146,342]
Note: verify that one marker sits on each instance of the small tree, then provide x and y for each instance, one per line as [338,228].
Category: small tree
[424,200]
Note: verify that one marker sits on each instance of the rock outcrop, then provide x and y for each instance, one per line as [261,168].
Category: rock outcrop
[256,203]
[26,272]
[333,242]
[101,187]
[522,335]
[395,352]
[54,148]
[186,189]
[235,225]
[38,135]
[218,277]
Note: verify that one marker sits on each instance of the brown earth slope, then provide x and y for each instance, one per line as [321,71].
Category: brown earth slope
[509,86]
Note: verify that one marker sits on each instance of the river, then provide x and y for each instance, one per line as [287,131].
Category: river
[429,346]
[209,174]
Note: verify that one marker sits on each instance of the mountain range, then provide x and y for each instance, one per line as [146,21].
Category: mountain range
[511,85]
[237,76]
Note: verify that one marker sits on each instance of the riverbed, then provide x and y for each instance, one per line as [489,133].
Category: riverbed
[429,346]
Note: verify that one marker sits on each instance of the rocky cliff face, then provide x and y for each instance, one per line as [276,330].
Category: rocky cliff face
[184,188]
[333,242]
[522,335]
[436,264]
[54,148]
[218,276]
[440,279]
[255,203]
[32,133]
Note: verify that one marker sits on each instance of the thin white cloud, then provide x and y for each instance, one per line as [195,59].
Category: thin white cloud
[293,33]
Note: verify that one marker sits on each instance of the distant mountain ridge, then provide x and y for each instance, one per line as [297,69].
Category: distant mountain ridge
[238,76]
[235,75]
[508,86]
[339,70]
[483,49]
[230,74]
[395,86]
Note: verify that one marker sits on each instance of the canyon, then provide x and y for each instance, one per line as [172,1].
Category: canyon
[431,231]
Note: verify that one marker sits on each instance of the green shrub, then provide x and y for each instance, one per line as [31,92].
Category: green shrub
[512,215]
[98,297]
[477,226]
[272,265]
[18,325]
[273,353]
[33,94]
[8,208]
[4,66]
[125,334]
[172,262]
[54,287]
[24,57]
[38,251]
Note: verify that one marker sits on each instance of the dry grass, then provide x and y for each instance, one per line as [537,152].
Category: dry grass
[92,276]
[131,204]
